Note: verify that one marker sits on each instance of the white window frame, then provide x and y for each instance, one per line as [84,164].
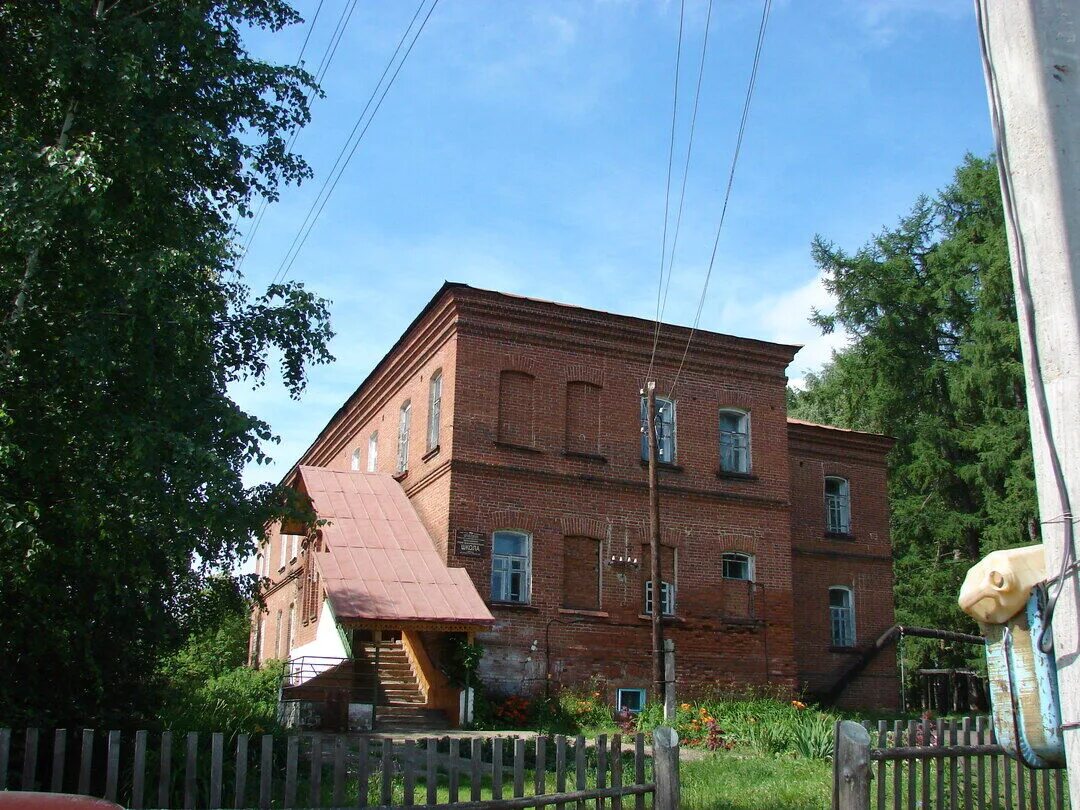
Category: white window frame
[619,699]
[838,506]
[504,564]
[737,440]
[434,409]
[284,551]
[737,556]
[842,618]
[259,564]
[373,452]
[355,461]
[404,419]
[667,589]
[667,428]
[295,543]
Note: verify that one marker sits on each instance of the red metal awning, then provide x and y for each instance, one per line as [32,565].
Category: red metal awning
[378,563]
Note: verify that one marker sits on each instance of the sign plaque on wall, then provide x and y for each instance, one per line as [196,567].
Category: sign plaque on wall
[470,544]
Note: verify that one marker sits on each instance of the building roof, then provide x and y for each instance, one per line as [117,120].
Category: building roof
[378,562]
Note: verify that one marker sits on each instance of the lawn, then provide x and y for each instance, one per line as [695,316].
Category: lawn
[738,781]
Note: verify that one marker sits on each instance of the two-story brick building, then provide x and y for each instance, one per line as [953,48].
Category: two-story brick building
[512,427]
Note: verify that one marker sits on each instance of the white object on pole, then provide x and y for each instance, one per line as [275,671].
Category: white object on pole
[1032,64]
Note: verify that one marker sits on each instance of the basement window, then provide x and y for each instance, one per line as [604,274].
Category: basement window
[630,700]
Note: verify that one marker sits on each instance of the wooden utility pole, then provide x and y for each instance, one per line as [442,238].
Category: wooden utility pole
[1031,58]
[654,545]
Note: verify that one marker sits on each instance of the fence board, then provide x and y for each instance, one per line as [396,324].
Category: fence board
[579,762]
[1006,766]
[913,740]
[639,769]
[338,798]
[980,739]
[496,768]
[363,774]
[112,772]
[1021,788]
[265,772]
[138,775]
[240,793]
[927,740]
[292,755]
[540,756]
[217,754]
[1044,777]
[616,770]
[474,769]
[30,754]
[601,766]
[940,765]
[315,776]
[898,768]
[1059,791]
[190,768]
[386,792]
[432,783]
[519,767]
[5,755]
[882,740]
[453,783]
[87,761]
[560,767]
[409,773]
[965,763]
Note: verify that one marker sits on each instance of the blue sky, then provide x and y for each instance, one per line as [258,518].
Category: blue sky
[524,148]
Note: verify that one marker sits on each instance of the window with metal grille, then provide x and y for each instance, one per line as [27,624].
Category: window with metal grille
[842,617]
[837,505]
[665,430]
[511,566]
[668,592]
[403,437]
[434,410]
[734,441]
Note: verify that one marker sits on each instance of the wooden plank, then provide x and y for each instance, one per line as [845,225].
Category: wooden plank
[540,765]
[1006,766]
[898,768]
[882,741]
[453,780]
[240,792]
[496,768]
[965,764]
[292,756]
[851,767]
[1044,777]
[164,769]
[639,769]
[432,783]
[940,766]
[1059,790]
[338,796]
[980,739]
[954,769]
[409,774]
[537,801]
[217,754]
[86,762]
[30,755]
[927,740]
[666,770]
[1033,789]
[386,792]
[315,775]
[363,774]
[5,755]
[474,773]
[579,763]
[138,775]
[519,767]
[995,796]
[112,766]
[190,772]
[265,771]
[616,769]
[601,766]
[1021,788]
[913,739]
[560,767]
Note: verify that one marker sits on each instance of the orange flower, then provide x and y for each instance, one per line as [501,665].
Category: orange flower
[685,707]
[798,704]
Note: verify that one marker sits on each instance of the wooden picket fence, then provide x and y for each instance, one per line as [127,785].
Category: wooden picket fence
[166,769]
[942,764]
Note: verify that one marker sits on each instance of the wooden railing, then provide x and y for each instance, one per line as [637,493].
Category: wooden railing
[193,770]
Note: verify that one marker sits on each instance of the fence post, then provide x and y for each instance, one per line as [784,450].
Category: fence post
[666,768]
[851,767]
[669,680]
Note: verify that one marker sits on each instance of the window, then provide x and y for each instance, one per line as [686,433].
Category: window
[665,430]
[581,573]
[259,564]
[258,653]
[434,410]
[403,437]
[356,459]
[284,550]
[373,452]
[583,418]
[734,441]
[837,506]
[510,566]
[631,700]
[289,631]
[516,408]
[738,566]
[668,591]
[295,545]
[842,617]
[277,637]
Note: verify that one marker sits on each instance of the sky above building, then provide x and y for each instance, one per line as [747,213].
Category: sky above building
[524,148]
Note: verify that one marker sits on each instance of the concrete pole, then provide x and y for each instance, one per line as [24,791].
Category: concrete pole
[1031,56]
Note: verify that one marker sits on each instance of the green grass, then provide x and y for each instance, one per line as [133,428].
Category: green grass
[736,781]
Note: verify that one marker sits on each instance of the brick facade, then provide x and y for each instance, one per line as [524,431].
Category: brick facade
[540,436]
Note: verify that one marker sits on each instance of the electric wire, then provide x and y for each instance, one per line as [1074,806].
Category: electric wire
[317,207]
[751,84]
[1027,304]
[667,188]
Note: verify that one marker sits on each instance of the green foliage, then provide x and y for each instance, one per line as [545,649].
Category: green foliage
[935,362]
[464,660]
[738,781]
[131,136]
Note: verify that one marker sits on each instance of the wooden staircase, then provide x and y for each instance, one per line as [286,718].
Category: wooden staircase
[402,705]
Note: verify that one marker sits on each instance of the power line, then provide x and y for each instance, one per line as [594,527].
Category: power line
[316,209]
[766,8]
[667,187]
